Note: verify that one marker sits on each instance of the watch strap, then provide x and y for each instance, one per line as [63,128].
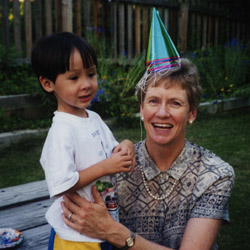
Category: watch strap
[129,242]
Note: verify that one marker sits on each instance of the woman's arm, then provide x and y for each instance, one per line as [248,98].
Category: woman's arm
[93,220]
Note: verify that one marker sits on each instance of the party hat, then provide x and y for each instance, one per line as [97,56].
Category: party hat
[161,54]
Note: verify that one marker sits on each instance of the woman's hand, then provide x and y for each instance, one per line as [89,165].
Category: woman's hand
[91,219]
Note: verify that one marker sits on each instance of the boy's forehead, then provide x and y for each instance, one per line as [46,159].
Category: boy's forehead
[76,61]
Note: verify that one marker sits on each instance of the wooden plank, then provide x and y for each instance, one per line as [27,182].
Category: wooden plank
[204,32]
[145,27]
[23,193]
[48,17]
[5,23]
[78,24]
[86,18]
[17,27]
[25,216]
[58,8]
[192,32]
[183,27]
[121,30]
[114,28]
[96,15]
[38,19]
[166,18]
[35,238]
[67,22]
[28,27]
[137,30]
[130,31]
[198,23]
[216,31]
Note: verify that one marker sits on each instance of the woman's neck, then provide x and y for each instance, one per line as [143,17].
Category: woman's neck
[164,155]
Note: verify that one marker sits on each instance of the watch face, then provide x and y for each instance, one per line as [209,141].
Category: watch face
[130,242]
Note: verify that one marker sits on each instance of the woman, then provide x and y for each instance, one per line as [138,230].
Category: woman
[177,195]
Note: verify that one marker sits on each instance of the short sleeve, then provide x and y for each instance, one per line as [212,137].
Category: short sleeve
[213,189]
[57,161]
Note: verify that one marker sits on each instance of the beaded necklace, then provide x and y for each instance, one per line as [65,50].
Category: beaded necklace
[163,197]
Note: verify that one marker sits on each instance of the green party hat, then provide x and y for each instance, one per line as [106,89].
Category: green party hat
[161,54]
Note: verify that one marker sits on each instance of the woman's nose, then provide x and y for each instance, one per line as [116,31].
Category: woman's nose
[163,110]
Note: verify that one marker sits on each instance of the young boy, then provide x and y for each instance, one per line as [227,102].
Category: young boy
[79,148]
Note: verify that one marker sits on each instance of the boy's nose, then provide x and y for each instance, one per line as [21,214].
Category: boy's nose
[85,84]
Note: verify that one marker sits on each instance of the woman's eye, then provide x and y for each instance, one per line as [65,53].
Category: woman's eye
[176,104]
[152,101]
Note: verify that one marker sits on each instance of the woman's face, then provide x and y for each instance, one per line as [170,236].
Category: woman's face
[166,111]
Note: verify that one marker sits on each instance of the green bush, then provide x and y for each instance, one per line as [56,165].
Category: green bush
[223,70]
[116,93]
[16,76]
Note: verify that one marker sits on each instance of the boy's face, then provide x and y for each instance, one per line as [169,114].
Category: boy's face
[76,88]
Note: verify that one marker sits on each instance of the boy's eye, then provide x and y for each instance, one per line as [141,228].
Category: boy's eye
[74,78]
[92,74]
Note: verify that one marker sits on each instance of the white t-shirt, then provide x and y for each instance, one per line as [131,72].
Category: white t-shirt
[73,143]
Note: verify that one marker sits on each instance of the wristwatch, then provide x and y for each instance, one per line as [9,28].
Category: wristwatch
[129,242]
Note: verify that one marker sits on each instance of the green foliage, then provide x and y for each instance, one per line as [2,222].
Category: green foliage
[19,123]
[16,77]
[223,70]
[116,95]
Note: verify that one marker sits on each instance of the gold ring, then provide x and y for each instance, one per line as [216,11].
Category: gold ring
[69,216]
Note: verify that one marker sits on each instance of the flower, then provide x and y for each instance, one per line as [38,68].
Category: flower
[226,78]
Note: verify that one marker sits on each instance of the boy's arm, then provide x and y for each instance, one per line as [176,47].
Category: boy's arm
[118,162]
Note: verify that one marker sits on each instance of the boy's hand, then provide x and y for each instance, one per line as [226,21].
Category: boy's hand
[127,148]
[118,162]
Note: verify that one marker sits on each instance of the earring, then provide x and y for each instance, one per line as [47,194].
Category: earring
[190,122]
[142,118]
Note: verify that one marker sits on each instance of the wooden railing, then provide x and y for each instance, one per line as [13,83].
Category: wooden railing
[192,24]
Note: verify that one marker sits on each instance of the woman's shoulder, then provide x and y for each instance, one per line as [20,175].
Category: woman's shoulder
[211,164]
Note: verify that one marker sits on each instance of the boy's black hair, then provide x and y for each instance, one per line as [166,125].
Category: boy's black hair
[51,54]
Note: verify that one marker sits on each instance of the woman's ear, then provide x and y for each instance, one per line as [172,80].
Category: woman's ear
[141,113]
[192,116]
[47,84]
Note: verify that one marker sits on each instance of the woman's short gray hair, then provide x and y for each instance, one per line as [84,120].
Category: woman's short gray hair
[186,75]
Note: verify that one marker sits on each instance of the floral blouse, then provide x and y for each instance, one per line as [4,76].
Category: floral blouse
[203,186]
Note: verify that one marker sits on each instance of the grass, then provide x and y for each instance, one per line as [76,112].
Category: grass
[226,134]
